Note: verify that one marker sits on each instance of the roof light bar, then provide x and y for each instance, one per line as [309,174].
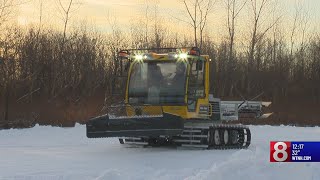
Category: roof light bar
[151,54]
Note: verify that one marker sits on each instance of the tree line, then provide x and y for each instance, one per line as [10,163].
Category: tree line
[61,77]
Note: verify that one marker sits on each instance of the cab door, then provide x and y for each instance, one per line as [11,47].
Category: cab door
[120,75]
[196,83]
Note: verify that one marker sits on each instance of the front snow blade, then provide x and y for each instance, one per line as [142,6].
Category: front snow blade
[135,126]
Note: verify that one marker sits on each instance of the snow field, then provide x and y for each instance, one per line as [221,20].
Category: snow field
[45,153]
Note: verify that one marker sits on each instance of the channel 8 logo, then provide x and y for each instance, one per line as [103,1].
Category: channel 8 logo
[280,151]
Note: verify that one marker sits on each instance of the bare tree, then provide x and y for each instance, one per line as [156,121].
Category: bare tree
[40,16]
[159,31]
[234,8]
[7,54]
[198,11]
[146,22]
[259,9]
[304,25]
[298,10]
[66,9]
[145,29]
[9,68]
[6,9]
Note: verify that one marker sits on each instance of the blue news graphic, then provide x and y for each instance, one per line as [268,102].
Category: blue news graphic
[305,151]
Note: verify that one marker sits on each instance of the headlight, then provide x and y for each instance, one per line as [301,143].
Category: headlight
[139,57]
[183,56]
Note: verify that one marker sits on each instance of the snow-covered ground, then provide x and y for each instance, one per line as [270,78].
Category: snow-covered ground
[45,153]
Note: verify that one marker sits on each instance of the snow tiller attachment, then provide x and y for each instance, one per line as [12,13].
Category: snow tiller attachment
[134,121]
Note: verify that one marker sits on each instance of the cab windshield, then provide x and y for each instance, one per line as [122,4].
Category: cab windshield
[157,83]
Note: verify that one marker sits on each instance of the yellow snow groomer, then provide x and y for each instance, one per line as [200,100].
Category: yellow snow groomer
[167,102]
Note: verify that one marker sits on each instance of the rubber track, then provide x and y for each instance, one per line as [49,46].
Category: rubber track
[192,139]
[241,144]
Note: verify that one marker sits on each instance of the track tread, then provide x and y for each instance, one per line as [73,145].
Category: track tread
[197,137]
[240,144]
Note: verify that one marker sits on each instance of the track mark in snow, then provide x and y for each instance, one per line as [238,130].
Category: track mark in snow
[109,174]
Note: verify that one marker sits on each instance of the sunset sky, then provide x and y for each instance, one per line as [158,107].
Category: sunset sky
[96,12]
